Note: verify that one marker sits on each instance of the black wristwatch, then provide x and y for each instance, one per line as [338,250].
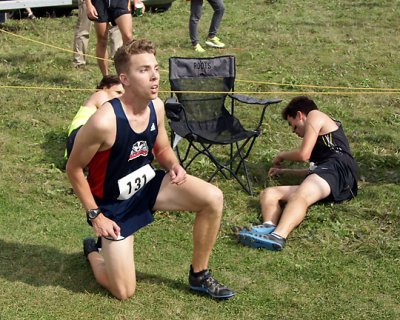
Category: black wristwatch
[93,213]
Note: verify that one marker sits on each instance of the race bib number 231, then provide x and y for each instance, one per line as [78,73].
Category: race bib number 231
[134,181]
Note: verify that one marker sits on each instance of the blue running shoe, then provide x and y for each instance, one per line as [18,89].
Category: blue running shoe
[206,283]
[270,241]
[265,228]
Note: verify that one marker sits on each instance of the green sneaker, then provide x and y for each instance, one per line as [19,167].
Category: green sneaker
[199,48]
[215,42]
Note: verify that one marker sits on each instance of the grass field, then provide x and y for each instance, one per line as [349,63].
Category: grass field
[342,262]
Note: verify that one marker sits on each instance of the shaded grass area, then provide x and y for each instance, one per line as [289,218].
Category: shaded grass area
[340,263]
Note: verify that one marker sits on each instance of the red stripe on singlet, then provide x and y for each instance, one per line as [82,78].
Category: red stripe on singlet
[97,172]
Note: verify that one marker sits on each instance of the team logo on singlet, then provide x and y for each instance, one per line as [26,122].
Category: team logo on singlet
[139,148]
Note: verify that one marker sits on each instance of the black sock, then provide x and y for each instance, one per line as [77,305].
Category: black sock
[197,274]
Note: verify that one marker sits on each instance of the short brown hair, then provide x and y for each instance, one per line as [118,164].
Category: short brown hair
[108,81]
[300,103]
[136,46]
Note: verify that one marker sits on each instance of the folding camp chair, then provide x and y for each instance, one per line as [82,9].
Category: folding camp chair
[198,115]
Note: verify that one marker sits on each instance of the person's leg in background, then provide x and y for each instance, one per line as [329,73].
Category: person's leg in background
[115,39]
[101,47]
[81,35]
[196,7]
[219,10]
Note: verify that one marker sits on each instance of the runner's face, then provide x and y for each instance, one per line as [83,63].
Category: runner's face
[297,124]
[143,76]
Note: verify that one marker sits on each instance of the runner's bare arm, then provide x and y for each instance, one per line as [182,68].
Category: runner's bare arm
[91,10]
[277,171]
[313,126]
[97,134]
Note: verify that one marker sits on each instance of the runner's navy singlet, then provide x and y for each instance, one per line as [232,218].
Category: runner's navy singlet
[122,180]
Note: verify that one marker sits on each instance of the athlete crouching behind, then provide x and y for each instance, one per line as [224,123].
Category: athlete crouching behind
[118,144]
[109,87]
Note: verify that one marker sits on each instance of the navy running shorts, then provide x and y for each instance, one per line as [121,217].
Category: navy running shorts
[136,212]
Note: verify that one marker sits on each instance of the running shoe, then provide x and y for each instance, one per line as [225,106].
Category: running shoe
[264,228]
[198,48]
[215,42]
[89,246]
[206,283]
[270,241]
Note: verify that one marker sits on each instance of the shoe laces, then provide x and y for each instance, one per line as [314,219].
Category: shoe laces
[212,283]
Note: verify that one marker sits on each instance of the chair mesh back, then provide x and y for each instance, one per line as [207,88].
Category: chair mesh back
[208,75]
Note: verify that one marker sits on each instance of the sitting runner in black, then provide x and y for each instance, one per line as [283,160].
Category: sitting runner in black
[332,176]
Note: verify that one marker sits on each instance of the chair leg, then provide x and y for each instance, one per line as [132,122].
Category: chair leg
[229,165]
[242,161]
[242,158]
[220,167]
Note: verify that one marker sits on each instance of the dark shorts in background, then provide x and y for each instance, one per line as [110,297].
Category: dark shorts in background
[109,10]
[341,173]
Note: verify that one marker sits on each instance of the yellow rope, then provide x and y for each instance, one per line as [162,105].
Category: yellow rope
[218,92]
[51,46]
[312,86]
[365,90]
[46,88]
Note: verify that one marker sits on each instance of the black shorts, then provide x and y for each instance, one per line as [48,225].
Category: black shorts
[109,10]
[71,140]
[341,173]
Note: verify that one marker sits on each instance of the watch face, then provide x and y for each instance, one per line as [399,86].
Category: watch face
[93,213]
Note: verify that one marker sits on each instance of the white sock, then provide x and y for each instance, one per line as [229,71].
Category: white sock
[269,222]
[277,235]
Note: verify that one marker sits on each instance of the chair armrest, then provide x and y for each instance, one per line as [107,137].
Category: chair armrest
[252,100]
[173,109]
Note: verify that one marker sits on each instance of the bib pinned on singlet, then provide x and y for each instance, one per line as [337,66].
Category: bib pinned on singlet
[133,182]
